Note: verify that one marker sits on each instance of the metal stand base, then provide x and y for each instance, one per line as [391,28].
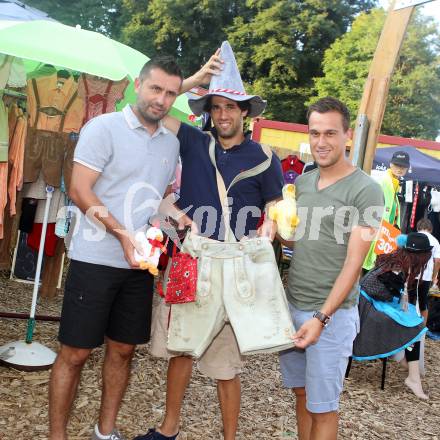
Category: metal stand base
[26,356]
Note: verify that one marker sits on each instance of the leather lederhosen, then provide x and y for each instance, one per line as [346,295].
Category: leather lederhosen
[45,150]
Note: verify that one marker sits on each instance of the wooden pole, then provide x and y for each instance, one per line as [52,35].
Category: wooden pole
[377,86]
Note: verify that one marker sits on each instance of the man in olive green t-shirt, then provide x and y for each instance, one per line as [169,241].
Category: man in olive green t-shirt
[340,208]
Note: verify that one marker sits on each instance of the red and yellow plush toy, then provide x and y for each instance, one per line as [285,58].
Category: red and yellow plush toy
[284,213]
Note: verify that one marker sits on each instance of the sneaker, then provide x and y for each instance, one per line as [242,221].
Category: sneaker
[152,434]
[114,435]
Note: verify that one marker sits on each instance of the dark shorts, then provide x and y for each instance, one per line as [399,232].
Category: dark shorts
[423,292]
[104,301]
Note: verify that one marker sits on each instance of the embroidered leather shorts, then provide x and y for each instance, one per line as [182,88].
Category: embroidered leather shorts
[45,152]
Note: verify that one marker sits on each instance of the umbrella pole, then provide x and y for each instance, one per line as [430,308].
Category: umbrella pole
[31,321]
[27,355]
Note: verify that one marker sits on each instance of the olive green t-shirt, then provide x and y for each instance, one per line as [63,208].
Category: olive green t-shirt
[326,218]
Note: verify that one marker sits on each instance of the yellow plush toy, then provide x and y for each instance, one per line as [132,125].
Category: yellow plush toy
[284,213]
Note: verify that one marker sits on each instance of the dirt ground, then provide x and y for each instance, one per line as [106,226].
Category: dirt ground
[267,409]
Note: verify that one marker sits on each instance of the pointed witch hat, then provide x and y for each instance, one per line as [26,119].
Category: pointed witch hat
[229,85]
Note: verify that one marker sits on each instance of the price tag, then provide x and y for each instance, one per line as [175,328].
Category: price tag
[386,241]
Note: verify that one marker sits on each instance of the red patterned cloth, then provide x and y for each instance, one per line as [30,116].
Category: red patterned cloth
[182,279]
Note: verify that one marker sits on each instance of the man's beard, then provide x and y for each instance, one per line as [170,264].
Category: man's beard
[227,134]
[147,116]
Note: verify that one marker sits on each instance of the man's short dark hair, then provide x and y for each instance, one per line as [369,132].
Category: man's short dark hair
[165,63]
[330,104]
[243,105]
[424,225]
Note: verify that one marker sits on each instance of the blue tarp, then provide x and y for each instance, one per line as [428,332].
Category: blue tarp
[423,168]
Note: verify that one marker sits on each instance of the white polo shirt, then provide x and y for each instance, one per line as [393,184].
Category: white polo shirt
[135,168]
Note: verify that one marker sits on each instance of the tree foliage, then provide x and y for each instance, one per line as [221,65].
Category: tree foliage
[189,30]
[413,103]
[280,45]
[94,15]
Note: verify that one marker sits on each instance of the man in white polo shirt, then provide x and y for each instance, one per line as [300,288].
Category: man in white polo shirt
[123,164]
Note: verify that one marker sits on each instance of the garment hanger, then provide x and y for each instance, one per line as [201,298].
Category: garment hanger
[63,73]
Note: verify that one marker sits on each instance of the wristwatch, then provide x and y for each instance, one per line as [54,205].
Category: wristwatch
[322,317]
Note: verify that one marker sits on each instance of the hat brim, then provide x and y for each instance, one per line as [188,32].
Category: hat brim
[416,251]
[400,163]
[256,103]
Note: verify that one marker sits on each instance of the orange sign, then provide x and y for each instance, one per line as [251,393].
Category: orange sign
[386,239]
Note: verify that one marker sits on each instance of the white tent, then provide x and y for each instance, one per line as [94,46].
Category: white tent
[16,10]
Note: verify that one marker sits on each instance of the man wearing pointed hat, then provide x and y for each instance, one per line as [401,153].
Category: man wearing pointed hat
[228,105]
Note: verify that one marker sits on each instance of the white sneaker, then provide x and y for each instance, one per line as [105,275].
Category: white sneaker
[114,435]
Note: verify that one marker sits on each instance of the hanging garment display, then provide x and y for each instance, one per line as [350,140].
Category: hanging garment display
[17,139]
[11,74]
[100,95]
[4,141]
[5,67]
[3,193]
[45,150]
[4,130]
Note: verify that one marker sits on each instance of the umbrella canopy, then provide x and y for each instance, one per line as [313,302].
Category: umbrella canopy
[423,167]
[16,10]
[77,49]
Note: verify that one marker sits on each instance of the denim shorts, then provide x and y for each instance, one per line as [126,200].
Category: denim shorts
[321,367]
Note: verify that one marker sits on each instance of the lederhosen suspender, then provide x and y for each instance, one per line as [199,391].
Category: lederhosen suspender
[53,110]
